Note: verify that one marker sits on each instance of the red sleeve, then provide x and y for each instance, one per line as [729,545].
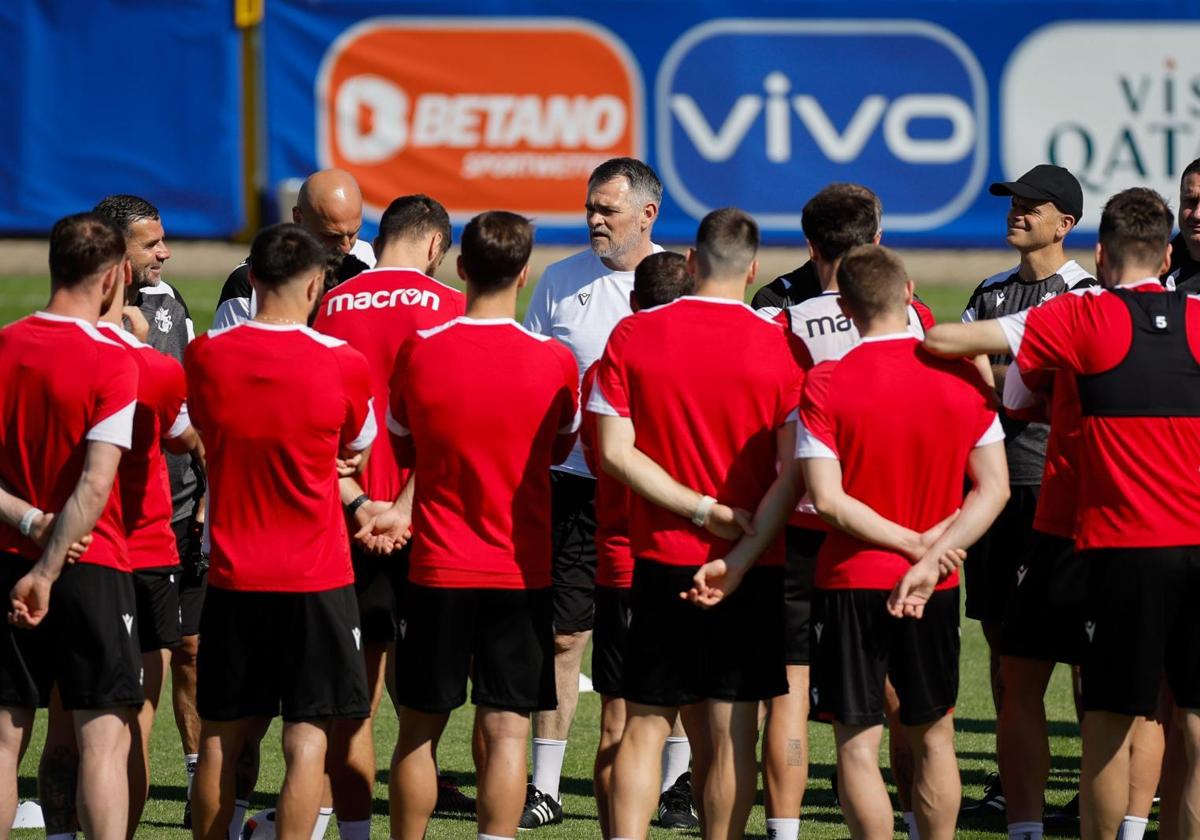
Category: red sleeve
[358,429]
[1084,333]
[612,383]
[925,314]
[814,413]
[587,423]
[568,399]
[801,355]
[172,390]
[791,382]
[193,369]
[397,410]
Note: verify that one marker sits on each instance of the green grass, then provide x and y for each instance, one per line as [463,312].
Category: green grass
[975,718]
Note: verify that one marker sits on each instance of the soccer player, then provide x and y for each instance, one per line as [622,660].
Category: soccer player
[375,312]
[481,408]
[578,301]
[704,431]
[329,205]
[659,279]
[1184,271]
[67,400]
[1046,204]
[280,620]
[1129,348]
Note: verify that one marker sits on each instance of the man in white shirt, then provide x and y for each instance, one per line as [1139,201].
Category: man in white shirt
[579,300]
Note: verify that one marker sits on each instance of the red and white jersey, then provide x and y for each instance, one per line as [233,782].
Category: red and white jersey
[707,383]
[274,405]
[1140,443]
[482,408]
[62,384]
[902,423]
[376,312]
[614,559]
[145,484]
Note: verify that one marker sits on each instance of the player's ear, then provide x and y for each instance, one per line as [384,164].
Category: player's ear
[878,237]
[649,214]
[296,216]
[752,273]
[462,274]
[127,273]
[523,277]
[691,261]
[909,290]
[813,253]
[633,301]
[1166,263]
[1100,260]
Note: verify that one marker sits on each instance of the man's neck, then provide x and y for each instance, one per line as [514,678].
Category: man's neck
[69,304]
[724,288]
[401,256]
[1133,274]
[276,308]
[501,304]
[1042,263]
[827,274]
[888,324]
[629,261]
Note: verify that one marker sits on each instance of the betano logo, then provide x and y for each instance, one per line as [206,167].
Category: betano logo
[478,113]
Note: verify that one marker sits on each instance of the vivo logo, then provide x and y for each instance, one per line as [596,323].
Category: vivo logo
[763,113]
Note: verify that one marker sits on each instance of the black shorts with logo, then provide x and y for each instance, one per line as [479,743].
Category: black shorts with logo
[991,566]
[86,645]
[379,582]
[611,639]
[1141,621]
[802,547]
[573,519]
[680,654]
[191,581]
[159,616]
[858,644]
[503,639]
[1046,611]
[295,654]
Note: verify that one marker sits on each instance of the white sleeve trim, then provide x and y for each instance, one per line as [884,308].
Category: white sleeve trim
[232,312]
[1013,327]
[599,404]
[572,427]
[808,446]
[366,435]
[994,433]
[182,423]
[1016,394]
[116,428]
[394,425]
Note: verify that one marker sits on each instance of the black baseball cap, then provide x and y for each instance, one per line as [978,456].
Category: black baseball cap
[1046,182]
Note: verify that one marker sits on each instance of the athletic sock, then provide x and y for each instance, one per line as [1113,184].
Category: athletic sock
[354,829]
[910,822]
[676,755]
[323,817]
[1132,828]
[780,828]
[189,766]
[1025,831]
[494,837]
[239,817]
[547,765]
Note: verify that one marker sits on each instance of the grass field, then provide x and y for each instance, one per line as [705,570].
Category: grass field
[975,720]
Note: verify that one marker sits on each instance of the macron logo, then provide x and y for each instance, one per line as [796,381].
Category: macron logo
[1090,627]
[383,300]
[1021,572]
[402,627]
[357,638]
[128,619]
[817,628]
[584,297]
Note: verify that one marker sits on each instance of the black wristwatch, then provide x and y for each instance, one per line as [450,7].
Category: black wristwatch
[353,507]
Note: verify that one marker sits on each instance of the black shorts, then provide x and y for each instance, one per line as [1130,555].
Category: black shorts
[991,566]
[1141,620]
[159,617]
[295,654]
[86,645]
[502,638]
[679,654]
[1046,611]
[192,582]
[379,583]
[858,643]
[573,516]
[611,639]
[802,547]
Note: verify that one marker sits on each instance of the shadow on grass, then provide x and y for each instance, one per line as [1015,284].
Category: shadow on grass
[979,726]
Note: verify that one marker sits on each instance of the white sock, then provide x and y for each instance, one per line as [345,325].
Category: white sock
[494,837]
[910,822]
[1025,831]
[676,755]
[239,817]
[354,829]
[547,765]
[323,817]
[779,828]
[189,767]
[1132,828]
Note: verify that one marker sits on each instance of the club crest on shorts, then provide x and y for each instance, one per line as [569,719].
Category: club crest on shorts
[1090,628]
[162,319]
[128,619]
[357,638]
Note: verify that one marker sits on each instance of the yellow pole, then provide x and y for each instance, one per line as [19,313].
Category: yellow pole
[247,16]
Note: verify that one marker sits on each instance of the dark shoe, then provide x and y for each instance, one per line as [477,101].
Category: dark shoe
[451,800]
[991,804]
[540,810]
[833,786]
[187,814]
[676,808]
[1065,818]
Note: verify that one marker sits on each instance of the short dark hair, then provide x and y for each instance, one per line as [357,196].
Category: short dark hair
[661,278]
[839,217]
[727,240]
[82,246]
[1191,169]
[643,182]
[124,210]
[495,247]
[410,216]
[1135,227]
[282,252]
[871,278]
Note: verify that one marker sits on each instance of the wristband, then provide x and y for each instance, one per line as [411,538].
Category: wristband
[702,509]
[27,520]
[353,507]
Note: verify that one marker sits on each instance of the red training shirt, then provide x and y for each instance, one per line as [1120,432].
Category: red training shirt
[274,405]
[614,559]
[482,408]
[62,384]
